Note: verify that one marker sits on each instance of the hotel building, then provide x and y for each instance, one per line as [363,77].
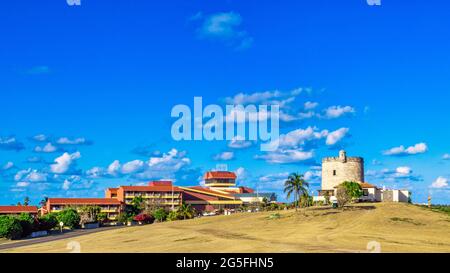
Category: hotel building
[158,193]
[110,206]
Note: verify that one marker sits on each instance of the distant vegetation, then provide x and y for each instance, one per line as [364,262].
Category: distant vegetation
[439,208]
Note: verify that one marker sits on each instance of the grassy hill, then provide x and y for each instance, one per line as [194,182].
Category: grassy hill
[397,227]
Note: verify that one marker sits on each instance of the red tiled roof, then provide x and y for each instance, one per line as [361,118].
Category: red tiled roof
[366,185]
[18,209]
[220,175]
[113,190]
[151,188]
[84,201]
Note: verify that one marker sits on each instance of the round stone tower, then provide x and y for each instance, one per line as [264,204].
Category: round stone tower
[336,170]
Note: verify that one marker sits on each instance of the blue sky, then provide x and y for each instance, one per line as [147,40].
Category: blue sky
[87,91]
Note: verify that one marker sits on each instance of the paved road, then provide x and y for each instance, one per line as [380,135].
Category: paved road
[55,237]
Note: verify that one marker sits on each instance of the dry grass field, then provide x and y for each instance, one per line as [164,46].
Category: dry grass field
[397,227]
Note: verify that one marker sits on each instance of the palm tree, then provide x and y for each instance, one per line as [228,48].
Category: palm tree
[186,211]
[296,184]
[26,201]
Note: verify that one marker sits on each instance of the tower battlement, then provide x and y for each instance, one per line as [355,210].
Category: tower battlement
[338,159]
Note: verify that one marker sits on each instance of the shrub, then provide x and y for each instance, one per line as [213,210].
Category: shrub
[10,227]
[28,224]
[47,222]
[342,196]
[160,215]
[69,217]
[173,216]
[144,218]
[122,218]
[102,217]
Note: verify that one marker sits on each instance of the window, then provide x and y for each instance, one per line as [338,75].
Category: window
[334,172]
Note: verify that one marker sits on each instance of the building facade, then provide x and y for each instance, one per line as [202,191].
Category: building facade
[17,210]
[158,193]
[110,206]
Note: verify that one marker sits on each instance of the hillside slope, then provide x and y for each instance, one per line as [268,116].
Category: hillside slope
[396,227]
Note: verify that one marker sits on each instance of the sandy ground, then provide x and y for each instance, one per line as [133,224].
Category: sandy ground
[392,227]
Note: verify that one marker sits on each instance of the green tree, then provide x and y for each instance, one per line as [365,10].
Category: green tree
[137,206]
[353,189]
[296,184]
[160,215]
[47,222]
[186,211]
[102,217]
[10,227]
[27,222]
[69,217]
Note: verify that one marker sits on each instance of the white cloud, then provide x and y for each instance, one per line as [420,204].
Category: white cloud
[404,170]
[310,105]
[40,138]
[397,174]
[336,136]
[63,163]
[273,181]
[299,137]
[312,175]
[68,141]
[132,166]
[295,146]
[173,160]
[241,173]
[95,172]
[8,165]
[10,143]
[333,112]
[238,142]
[419,148]
[22,184]
[224,156]
[225,26]
[440,183]
[36,176]
[49,148]
[286,156]
[113,168]
[446,157]
[66,185]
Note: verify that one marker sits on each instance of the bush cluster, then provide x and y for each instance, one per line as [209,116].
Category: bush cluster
[16,227]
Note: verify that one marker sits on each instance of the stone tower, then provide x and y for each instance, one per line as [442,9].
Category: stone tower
[336,170]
